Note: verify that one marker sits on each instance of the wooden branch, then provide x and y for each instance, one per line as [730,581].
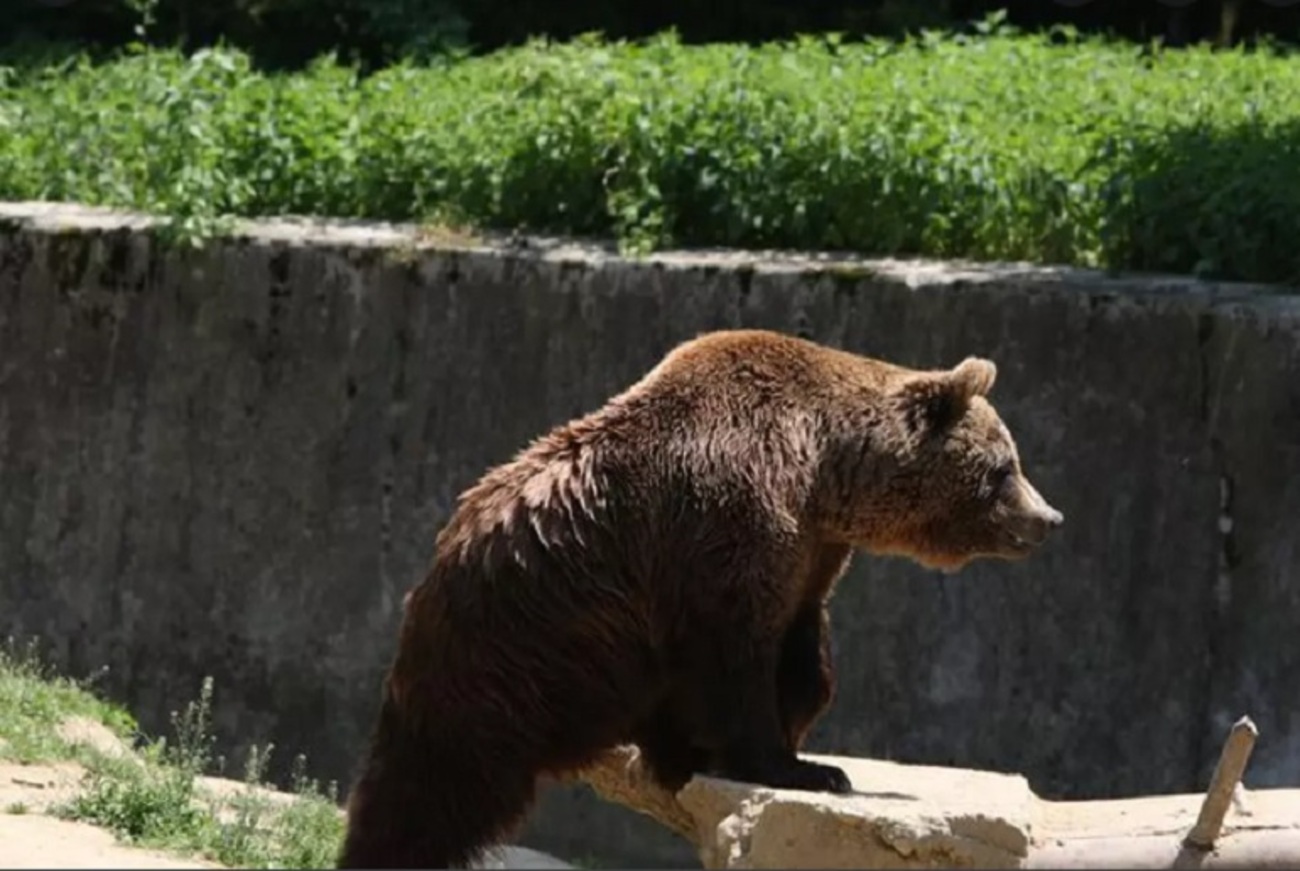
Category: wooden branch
[1223,784]
[619,776]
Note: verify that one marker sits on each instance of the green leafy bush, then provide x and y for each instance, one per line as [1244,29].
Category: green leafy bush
[991,147]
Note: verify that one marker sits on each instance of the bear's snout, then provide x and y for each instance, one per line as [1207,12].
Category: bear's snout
[1034,528]
[1036,519]
[1054,518]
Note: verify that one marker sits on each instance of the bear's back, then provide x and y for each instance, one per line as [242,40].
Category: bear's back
[730,418]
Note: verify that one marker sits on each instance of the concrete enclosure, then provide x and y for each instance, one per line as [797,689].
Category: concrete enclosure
[232,461]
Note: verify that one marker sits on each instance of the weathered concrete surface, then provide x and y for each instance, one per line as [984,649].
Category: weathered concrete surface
[232,461]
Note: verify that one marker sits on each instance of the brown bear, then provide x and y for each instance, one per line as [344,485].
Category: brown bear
[657,571]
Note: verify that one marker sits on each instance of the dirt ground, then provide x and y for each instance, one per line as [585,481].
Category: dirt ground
[33,839]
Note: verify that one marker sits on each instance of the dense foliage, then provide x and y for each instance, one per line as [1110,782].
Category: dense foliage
[996,147]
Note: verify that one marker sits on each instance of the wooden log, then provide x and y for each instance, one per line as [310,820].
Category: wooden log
[1224,784]
[619,777]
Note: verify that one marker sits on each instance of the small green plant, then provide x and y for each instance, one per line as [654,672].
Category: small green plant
[153,802]
[149,804]
[16,808]
[309,831]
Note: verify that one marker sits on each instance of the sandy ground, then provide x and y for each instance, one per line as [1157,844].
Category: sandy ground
[35,841]
[31,838]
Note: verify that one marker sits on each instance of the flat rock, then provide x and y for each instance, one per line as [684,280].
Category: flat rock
[900,816]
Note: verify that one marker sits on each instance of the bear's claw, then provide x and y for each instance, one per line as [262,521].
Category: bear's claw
[806,776]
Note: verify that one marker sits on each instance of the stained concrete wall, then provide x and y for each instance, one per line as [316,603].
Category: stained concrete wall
[232,461]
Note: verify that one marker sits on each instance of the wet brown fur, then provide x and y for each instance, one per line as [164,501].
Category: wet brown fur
[658,572]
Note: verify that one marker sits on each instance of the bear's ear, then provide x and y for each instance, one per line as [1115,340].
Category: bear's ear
[936,400]
[974,376]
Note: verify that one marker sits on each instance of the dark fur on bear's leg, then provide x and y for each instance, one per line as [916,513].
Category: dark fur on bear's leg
[667,750]
[739,714]
[805,688]
[758,751]
[425,801]
[805,680]
[806,673]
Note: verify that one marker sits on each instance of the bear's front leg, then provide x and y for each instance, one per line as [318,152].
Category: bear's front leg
[666,748]
[736,687]
[806,672]
[805,681]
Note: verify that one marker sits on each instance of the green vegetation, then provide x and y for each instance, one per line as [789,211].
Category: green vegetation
[1001,146]
[155,797]
[34,702]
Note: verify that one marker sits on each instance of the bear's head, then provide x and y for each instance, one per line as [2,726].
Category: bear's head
[946,484]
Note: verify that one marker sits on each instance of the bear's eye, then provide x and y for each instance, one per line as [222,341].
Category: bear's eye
[1000,474]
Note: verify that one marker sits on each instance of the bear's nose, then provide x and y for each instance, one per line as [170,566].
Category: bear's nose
[1034,528]
[1044,522]
[1033,525]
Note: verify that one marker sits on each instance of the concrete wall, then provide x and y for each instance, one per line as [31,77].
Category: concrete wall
[232,461]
